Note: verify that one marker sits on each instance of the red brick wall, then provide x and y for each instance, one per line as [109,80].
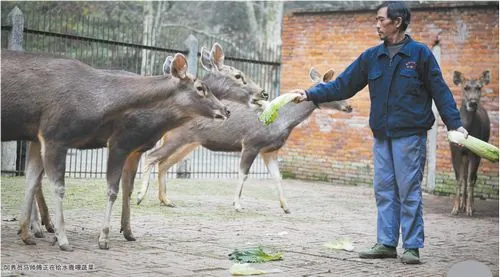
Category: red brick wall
[335,146]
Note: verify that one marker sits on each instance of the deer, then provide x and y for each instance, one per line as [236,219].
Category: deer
[243,133]
[476,121]
[58,103]
[237,87]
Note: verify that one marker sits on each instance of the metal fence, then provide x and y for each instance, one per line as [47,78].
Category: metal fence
[111,45]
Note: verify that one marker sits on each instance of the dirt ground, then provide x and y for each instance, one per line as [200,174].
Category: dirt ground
[195,238]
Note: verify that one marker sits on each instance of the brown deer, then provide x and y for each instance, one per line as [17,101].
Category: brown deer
[236,87]
[60,103]
[475,119]
[244,133]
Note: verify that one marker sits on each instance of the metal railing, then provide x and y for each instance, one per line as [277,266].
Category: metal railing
[111,45]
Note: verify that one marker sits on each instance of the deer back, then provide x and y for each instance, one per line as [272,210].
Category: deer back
[70,102]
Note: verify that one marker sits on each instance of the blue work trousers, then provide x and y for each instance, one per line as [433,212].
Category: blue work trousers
[399,169]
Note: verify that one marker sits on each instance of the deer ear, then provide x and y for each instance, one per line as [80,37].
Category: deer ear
[205,61]
[179,66]
[485,79]
[167,65]
[314,75]
[457,78]
[217,55]
[328,75]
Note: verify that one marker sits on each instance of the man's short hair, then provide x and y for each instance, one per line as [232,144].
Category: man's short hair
[397,9]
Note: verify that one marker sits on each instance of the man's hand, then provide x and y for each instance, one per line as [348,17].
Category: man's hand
[302,97]
[463,131]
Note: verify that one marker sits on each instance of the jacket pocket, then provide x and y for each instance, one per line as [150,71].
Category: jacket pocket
[411,82]
[373,78]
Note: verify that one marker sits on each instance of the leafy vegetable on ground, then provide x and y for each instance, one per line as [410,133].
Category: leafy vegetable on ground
[254,255]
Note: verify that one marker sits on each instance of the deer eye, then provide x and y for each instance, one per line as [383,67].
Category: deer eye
[467,87]
[201,90]
[237,76]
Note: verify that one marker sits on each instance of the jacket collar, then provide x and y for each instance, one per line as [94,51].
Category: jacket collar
[382,49]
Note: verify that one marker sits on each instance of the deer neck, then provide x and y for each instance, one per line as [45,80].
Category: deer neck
[293,114]
[466,116]
[131,92]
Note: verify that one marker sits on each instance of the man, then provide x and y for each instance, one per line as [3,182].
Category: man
[403,77]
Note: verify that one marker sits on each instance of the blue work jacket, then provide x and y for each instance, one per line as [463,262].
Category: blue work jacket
[401,90]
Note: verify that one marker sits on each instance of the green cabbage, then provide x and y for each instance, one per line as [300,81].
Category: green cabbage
[270,112]
[477,146]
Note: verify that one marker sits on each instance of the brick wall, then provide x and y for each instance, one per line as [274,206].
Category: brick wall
[335,146]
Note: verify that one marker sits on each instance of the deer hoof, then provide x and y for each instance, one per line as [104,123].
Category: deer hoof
[66,247]
[129,237]
[39,234]
[127,233]
[138,200]
[29,240]
[103,243]
[454,211]
[37,230]
[287,211]
[469,211]
[50,228]
[168,204]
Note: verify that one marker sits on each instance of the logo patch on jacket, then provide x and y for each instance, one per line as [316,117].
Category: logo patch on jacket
[411,65]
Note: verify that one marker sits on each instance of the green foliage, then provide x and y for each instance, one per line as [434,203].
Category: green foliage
[254,255]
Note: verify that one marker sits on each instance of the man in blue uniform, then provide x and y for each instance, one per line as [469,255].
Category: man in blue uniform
[403,78]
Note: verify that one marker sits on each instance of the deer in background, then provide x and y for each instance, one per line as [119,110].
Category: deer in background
[224,81]
[475,119]
[244,133]
[59,103]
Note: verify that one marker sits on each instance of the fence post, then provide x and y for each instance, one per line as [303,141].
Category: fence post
[9,148]
[432,133]
[16,20]
[191,43]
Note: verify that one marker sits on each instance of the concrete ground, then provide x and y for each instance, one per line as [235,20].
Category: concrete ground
[195,238]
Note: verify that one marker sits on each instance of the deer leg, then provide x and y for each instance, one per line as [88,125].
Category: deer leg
[463,187]
[459,170]
[163,167]
[36,224]
[34,173]
[54,163]
[116,160]
[471,182]
[271,161]
[128,175]
[246,160]
[147,172]
[44,211]
[40,210]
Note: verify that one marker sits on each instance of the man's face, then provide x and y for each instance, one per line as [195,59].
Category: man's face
[385,26]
